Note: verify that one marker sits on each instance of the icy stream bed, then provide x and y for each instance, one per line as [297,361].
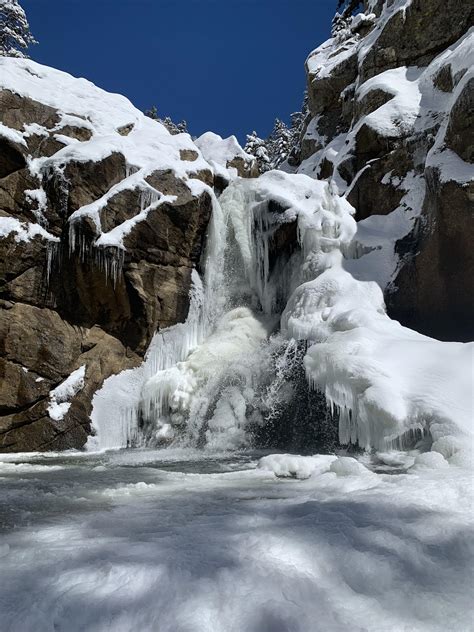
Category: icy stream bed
[184,541]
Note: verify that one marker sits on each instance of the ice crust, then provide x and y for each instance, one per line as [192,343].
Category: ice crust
[131,540]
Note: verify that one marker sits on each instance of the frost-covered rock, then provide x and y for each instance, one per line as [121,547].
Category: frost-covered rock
[391,104]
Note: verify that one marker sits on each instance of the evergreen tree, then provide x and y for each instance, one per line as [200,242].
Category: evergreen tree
[174,128]
[171,126]
[284,143]
[257,148]
[349,7]
[299,121]
[152,113]
[279,144]
[341,22]
[15,35]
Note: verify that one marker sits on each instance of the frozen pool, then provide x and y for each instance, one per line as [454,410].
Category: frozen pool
[184,541]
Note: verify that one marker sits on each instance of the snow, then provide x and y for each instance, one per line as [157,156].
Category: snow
[12,135]
[220,150]
[323,60]
[371,254]
[24,231]
[180,541]
[399,114]
[415,108]
[148,147]
[60,396]
[295,466]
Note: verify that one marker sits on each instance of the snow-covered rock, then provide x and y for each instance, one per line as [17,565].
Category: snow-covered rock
[391,101]
[226,156]
[103,215]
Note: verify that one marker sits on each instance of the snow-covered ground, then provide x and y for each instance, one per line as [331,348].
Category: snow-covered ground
[180,541]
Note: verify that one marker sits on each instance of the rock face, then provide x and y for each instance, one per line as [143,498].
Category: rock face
[103,216]
[391,101]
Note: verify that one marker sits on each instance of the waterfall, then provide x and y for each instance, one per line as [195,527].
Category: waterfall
[209,374]
[273,275]
[214,379]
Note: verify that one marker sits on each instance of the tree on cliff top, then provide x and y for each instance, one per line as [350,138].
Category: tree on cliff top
[171,126]
[15,34]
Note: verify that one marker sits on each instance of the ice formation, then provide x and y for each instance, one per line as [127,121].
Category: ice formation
[204,381]
[209,380]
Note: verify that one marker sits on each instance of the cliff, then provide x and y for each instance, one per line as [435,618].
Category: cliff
[391,120]
[103,216]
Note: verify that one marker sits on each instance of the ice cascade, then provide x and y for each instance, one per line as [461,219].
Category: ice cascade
[275,274]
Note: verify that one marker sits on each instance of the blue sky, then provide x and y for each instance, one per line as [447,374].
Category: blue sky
[226,65]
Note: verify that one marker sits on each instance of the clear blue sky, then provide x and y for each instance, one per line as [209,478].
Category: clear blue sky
[226,65]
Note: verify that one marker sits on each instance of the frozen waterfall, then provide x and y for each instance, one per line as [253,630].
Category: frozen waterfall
[274,274]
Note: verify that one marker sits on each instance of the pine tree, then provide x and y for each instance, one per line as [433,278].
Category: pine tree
[299,122]
[15,34]
[284,143]
[174,128]
[171,126]
[279,144]
[152,113]
[350,6]
[257,148]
